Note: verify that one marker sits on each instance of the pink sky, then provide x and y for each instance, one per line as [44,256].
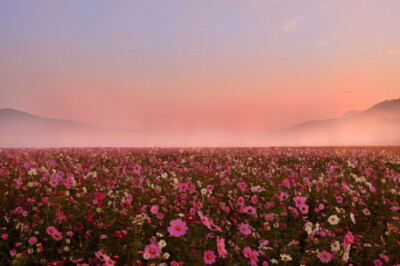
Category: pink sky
[179,67]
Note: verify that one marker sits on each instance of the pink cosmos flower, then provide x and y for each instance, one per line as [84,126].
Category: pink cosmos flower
[57,236]
[299,201]
[154,209]
[51,230]
[4,236]
[240,201]
[378,262]
[32,240]
[137,168]
[183,187]
[54,182]
[372,189]
[209,257]
[160,216]
[304,209]
[152,250]
[254,199]
[250,210]
[177,228]
[286,183]
[269,217]
[222,252]
[283,195]
[325,257]
[204,220]
[251,254]
[366,212]
[244,229]
[384,257]
[348,238]
[339,199]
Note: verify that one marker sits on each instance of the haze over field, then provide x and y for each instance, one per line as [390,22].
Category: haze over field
[199,73]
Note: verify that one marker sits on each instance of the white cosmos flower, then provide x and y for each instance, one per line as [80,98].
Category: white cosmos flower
[333,219]
[309,230]
[286,257]
[162,244]
[335,246]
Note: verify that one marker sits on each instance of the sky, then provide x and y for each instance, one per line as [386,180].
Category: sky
[230,67]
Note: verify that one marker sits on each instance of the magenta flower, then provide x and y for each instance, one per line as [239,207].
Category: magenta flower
[222,252]
[366,212]
[269,217]
[32,240]
[325,256]
[378,262]
[204,220]
[51,230]
[137,168]
[286,183]
[283,196]
[54,182]
[304,209]
[154,209]
[240,201]
[182,187]
[384,257]
[152,250]
[339,199]
[209,257]
[177,228]
[57,236]
[251,254]
[244,229]
[160,216]
[372,189]
[299,201]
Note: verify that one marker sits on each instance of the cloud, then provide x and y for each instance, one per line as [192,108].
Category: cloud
[326,42]
[291,25]
[393,52]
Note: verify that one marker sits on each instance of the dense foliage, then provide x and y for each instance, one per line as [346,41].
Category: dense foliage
[200,206]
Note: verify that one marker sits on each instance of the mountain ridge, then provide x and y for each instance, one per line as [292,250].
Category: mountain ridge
[377,125]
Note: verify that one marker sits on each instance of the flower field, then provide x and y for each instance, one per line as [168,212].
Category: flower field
[276,206]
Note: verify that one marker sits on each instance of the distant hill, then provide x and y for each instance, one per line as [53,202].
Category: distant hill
[21,129]
[378,125]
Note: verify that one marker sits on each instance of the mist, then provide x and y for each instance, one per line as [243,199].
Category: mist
[378,125]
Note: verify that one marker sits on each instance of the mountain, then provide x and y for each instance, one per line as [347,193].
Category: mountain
[378,125]
[21,129]
[350,113]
